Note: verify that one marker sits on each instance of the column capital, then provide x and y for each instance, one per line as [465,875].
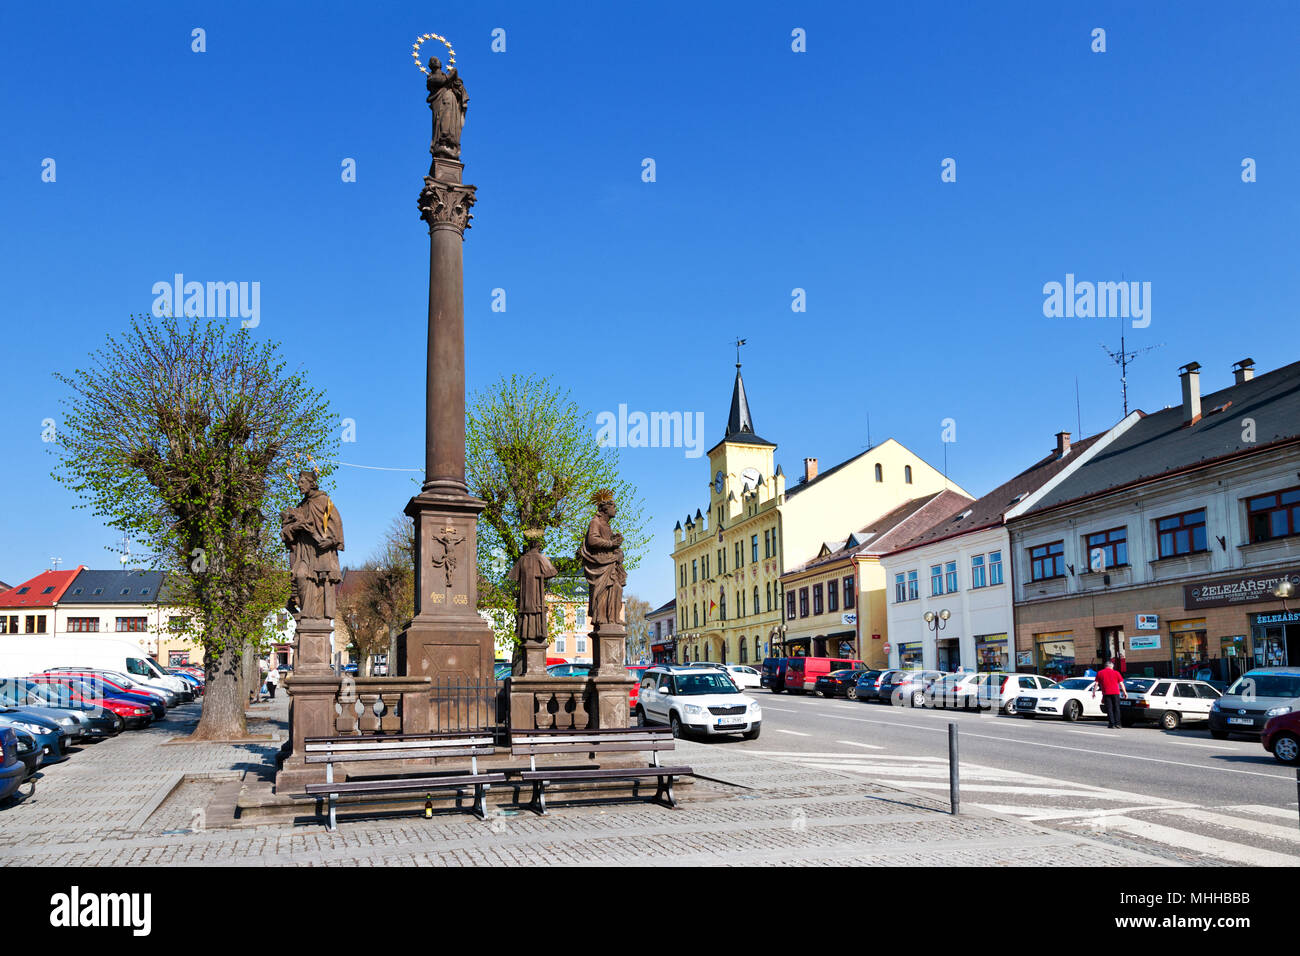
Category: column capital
[446,205]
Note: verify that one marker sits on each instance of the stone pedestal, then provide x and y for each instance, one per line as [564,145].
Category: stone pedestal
[312,688]
[530,660]
[611,682]
[551,703]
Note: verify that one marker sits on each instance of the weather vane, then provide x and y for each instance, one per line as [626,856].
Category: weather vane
[415,51]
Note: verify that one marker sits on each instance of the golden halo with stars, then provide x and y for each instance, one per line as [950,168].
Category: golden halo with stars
[415,51]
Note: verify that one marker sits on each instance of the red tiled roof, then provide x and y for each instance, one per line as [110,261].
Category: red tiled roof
[35,596]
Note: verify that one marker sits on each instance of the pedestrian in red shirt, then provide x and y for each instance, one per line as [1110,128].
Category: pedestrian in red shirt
[1111,683]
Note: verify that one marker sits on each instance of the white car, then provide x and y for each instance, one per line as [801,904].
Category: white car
[1070,699]
[697,700]
[744,676]
[1166,701]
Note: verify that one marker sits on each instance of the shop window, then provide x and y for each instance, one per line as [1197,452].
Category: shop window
[1056,654]
[1182,534]
[1274,516]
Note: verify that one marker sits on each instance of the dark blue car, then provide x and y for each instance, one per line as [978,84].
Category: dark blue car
[49,736]
[12,769]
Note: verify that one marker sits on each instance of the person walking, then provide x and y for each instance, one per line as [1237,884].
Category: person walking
[1112,688]
[272,681]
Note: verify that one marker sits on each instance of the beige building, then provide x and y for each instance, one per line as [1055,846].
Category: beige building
[728,559]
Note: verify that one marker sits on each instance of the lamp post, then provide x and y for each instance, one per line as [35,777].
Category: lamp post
[936,623]
[1284,591]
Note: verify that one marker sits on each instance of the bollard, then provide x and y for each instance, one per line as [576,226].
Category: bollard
[954,773]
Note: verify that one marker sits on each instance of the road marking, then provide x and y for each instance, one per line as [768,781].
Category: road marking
[809,753]
[1255,808]
[793,733]
[1271,830]
[783,710]
[1234,852]
[854,743]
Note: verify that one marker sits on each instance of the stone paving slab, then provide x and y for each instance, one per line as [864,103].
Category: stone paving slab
[131,801]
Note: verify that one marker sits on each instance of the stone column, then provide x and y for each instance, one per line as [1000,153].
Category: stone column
[446,639]
[312,688]
[610,678]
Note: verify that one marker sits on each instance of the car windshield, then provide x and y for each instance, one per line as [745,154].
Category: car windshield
[1267,685]
[716,683]
[1076,683]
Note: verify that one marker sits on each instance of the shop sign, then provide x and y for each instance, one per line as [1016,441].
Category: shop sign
[888,647]
[1290,617]
[849,618]
[1148,622]
[1145,642]
[1024,658]
[1240,590]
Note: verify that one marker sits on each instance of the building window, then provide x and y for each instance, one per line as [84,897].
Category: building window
[35,623]
[755,598]
[559,645]
[740,555]
[695,570]
[832,595]
[1112,544]
[789,605]
[1274,516]
[582,645]
[722,605]
[880,473]
[977,579]
[695,613]
[1047,561]
[900,589]
[132,624]
[753,548]
[818,607]
[995,567]
[740,603]
[936,580]
[767,591]
[580,615]
[803,602]
[683,575]
[850,595]
[767,544]
[907,474]
[1182,534]
[83,625]
[744,651]
[950,574]
[913,586]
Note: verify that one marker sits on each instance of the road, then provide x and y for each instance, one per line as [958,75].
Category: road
[1179,794]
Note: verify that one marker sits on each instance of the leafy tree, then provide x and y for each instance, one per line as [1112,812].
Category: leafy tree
[384,602]
[182,433]
[638,628]
[531,455]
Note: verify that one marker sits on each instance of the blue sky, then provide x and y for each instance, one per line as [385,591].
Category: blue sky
[775,170]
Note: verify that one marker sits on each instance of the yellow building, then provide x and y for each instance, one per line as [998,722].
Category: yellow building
[728,559]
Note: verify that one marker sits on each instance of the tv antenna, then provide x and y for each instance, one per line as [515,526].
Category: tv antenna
[125,556]
[54,563]
[1122,358]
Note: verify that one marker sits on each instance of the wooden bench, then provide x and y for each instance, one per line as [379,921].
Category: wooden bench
[653,738]
[332,750]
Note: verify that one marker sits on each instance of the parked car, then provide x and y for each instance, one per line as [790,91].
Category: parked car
[907,688]
[29,751]
[636,672]
[998,690]
[699,700]
[569,670]
[1281,737]
[801,673]
[744,676]
[1166,701]
[1071,699]
[772,674]
[841,683]
[96,686]
[126,681]
[40,653]
[501,669]
[97,721]
[1254,698]
[869,685]
[13,697]
[954,690]
[128,714]
[12,770]
[49,735]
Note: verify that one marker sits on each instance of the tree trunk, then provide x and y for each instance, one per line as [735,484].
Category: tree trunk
[224,700]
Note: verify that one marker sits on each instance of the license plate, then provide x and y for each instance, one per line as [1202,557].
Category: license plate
[730,720]
[1126,703]
[1240,720]
[1025,702]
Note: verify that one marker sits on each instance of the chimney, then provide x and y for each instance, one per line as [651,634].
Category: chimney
[1244,370]
[809,469]
[1190,375]
[1062,444]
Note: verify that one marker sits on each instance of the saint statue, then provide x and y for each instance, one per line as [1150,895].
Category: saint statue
[313,533]
[601,556]
[531,572]
[449,102]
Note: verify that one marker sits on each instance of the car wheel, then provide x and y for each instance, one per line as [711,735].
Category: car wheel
[1170,720]
[918,698]
[851,693]
[1009,708]
[1073,710]
[751,734]
[1219,734]
[675,723]
[1286,749]
[640,716]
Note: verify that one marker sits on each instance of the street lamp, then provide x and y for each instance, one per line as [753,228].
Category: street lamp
[1283,592]
[936,623]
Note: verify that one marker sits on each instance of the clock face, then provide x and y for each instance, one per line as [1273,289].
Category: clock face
[718,480]
[750,477]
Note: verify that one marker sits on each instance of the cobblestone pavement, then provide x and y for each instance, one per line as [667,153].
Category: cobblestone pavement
[139,798]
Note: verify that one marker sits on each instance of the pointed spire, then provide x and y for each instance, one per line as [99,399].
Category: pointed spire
[739,420]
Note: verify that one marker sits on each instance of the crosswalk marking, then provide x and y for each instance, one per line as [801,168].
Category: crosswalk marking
[1271,830]
[854,743]
[1223,849]
[792,733]
[1282,812]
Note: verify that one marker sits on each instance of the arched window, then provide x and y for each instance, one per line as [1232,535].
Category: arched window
[907,474]
[722,605]
[880,473]
[695,612]
[744,650]
[758,650]
[755,598]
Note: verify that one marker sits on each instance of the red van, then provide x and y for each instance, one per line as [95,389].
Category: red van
[801,673]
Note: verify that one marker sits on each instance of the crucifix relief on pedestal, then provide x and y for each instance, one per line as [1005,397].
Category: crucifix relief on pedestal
[450,539]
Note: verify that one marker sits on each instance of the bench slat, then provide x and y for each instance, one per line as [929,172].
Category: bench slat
[538,750]
[613,773]
[397,755]
[399,746]
[403,786]
[448,735]
[601,731]
[588,738]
